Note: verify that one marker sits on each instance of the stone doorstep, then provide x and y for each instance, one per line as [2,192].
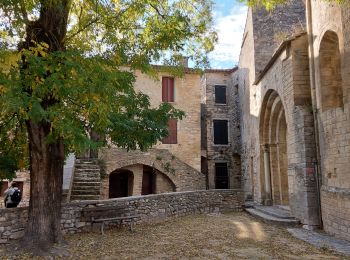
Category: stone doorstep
[271,219]
[321,240]
[275,211]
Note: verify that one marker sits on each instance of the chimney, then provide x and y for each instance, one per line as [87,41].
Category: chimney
[184,62]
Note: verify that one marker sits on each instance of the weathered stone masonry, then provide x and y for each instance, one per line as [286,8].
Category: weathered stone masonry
[214,153]
[150,208]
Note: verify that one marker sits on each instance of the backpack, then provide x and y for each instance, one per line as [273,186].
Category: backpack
[16,196]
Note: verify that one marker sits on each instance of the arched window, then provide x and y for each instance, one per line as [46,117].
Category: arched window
[330,72]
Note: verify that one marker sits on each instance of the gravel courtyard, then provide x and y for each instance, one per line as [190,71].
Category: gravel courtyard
[213,236]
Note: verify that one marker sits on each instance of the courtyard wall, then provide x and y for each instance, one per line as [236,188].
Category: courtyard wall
[150,209]
[331,34]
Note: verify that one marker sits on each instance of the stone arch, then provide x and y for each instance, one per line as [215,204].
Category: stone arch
[148,178]
[331,83]
[273,150]
[146,162]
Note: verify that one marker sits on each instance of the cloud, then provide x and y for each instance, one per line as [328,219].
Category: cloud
[230,29]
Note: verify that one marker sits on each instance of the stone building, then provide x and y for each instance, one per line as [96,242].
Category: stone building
[294,103]
[220,129]
[171,165]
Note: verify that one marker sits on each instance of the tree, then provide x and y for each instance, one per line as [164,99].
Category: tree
[69,70]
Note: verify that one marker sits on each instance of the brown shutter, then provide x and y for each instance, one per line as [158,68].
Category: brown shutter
[171,90]
[172,129]
[165,89]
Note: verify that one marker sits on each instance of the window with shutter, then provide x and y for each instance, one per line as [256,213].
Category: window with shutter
[220,94]
[220,131]
[172,129]
[221,176]
[168,89]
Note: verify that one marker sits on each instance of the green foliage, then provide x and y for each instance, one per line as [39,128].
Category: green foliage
[88,85]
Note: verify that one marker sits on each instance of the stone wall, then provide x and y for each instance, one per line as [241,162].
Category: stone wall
[331,27]
[215,153]
[187,98]
[280,104]
[336,211]
[264,32]
[271,28]
[150,208]
[180,174]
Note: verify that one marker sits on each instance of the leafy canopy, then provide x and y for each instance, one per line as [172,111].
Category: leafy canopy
[87,85]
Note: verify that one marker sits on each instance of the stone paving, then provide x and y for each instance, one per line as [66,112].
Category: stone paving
[321,240]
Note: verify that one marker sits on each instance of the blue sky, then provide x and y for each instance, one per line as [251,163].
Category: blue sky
[229,17]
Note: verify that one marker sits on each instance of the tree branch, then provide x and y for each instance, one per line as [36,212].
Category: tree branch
[24,12]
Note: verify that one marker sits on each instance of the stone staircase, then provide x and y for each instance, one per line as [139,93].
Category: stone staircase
[272,214]
[86,180]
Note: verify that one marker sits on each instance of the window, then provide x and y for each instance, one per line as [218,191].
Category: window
[220,131]
[172,129]
[220,94]
[221,176]
[168,89]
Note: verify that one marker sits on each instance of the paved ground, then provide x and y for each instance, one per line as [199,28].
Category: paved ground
[321,240]
[213,236]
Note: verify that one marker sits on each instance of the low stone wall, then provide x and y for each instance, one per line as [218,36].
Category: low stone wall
[150,209]
[336,211]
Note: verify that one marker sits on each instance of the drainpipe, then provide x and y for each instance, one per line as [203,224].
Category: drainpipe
[318,173]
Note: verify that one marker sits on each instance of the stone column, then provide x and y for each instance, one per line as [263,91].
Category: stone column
[137,170]
[267,171]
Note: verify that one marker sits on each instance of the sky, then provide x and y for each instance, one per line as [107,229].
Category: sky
[229,18]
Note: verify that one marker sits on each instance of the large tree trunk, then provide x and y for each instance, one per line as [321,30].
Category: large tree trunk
[46,176]
[46,159]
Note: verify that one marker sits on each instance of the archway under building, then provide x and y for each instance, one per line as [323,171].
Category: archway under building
[273,151]
[138,179]
[121,183]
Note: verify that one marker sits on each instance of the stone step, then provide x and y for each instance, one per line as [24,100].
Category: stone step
[85,197]
[275,211]
[271,219]
[85,179]
[87,166]
[87,188]
[87,184]
[85,192]
[87,175]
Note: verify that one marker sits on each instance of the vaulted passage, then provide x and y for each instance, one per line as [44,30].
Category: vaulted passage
[273,151]
[121,183]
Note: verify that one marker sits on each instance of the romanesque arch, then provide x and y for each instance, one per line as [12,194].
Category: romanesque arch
[331,89]
[137,179]
[273,151]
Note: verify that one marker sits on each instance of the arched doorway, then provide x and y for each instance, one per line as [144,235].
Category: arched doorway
[121,183]
[273,151]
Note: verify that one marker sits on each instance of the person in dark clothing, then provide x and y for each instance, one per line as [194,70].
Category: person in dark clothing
[12,196]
